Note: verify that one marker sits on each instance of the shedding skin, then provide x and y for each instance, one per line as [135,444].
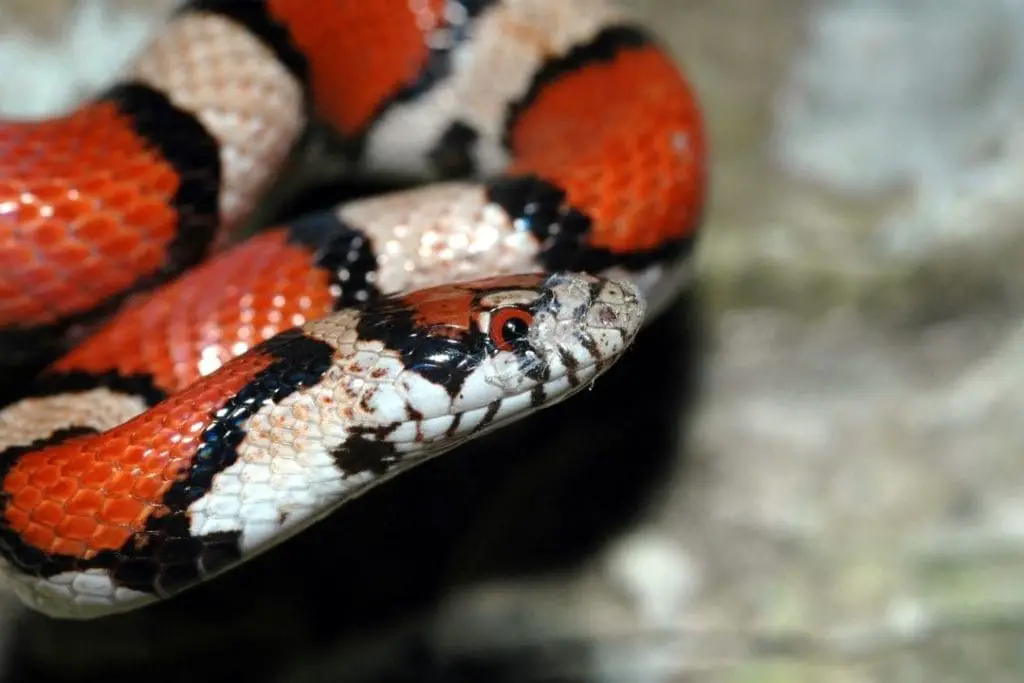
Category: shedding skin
[99,522]
[213,397]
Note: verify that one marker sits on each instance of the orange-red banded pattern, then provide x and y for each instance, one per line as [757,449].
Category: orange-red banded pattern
[116,197]
[216,312]
[85,206]
[359,53]
[623,137]
[95,493]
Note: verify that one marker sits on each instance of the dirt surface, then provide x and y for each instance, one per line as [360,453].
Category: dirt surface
[846,501]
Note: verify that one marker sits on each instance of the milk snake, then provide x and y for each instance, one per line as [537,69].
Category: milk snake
[217,393]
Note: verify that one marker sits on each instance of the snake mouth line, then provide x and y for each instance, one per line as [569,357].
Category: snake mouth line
[465,425]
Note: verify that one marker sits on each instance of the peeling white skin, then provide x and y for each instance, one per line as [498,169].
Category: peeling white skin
[287,474]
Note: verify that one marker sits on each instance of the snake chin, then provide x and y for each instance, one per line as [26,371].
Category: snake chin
[441,434]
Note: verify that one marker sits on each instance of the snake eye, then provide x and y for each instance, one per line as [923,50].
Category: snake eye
[509,326]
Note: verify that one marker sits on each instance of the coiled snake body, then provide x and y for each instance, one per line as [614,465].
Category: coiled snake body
[214,395]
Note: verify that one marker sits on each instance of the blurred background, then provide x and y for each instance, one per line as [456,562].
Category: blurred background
[822,479]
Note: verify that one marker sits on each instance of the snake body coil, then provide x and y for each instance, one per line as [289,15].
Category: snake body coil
[213,395]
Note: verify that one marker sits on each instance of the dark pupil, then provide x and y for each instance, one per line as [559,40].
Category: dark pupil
[514,330]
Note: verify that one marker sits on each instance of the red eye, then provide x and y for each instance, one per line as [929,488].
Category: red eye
[509,326]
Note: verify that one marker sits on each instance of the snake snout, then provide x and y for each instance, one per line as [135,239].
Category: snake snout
[618,306]
[592,320]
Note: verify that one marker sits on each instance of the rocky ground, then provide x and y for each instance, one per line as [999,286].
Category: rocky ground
[847,503]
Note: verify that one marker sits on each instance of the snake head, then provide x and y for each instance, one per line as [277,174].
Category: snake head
[460,359]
